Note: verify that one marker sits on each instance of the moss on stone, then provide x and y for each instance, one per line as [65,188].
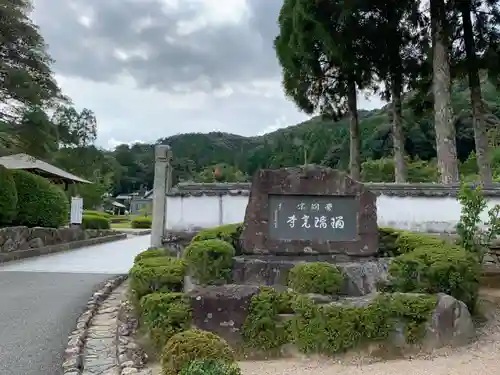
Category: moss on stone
[315,277]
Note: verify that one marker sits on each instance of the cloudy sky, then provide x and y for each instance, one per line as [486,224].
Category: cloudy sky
[155,68]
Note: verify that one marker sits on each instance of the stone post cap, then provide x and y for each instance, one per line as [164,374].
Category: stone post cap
[163,152]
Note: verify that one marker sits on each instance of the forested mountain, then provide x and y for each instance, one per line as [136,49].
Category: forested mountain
[317,141]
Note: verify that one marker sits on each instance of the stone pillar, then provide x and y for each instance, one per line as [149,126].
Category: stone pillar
[163,155]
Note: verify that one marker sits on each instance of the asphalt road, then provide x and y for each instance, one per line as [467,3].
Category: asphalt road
[41,298]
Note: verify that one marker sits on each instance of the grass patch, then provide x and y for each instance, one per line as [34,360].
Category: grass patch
[123,225]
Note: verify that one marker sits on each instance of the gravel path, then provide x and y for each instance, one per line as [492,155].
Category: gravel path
[479,358]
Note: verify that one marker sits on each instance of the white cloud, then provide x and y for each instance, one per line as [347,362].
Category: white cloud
[154,68]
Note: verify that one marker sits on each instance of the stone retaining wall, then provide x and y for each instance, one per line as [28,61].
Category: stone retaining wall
[24,238]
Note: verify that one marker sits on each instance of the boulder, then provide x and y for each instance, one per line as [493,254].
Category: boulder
[451,323]
[361,278]
[222,309]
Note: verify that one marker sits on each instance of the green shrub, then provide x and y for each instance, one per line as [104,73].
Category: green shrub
[164,315]
[210,261]
[97,213]
[150,253]
[95,222]
[263,328]
[8,197]
[156,274]
[40,203]
[141,222]
[409,241]
[387,242]
[230,233]
[210,367]
[315,277]
[472,237]
[184,347]
[429,269]
[328,329]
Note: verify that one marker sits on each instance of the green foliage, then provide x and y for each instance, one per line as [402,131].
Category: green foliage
[8,197]
[184,347]
[210,367]
[210,261]
[95,222]
[230,233]
[156,274]
[325,140]
[387,242]
[150,253]
[164,315]
[141,222]
[432,269]
[472,236]
[262,328]
[40,203]
[315,277]
[97,213]
[382,170]
[409,241]
[328,329]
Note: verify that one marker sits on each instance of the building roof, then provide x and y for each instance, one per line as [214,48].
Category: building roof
[29,163]
[383,188]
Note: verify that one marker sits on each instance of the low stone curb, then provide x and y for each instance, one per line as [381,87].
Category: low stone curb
[23,254]
[73,355]
[130,357]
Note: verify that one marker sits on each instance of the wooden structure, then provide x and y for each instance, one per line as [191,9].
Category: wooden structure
[41,168]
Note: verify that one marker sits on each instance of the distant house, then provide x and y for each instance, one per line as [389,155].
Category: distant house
[30,164]
[137,201]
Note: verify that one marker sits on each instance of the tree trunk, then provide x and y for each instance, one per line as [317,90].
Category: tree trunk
[355,140]
[443,113]
[479,125]
[397,132]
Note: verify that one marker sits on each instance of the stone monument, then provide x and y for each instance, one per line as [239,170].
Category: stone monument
[310,212]
[161,185]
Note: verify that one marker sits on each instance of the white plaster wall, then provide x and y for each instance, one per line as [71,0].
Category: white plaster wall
[424,214]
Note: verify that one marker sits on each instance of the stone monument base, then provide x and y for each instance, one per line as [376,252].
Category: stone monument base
[361,278]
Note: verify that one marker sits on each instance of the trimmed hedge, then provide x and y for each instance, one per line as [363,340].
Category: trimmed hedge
[230,233]
[97,213]
[351,326]
[263,329]
[8,197]
[156,274]
[40,203]
[210,367]
[164,315]
[210,261]
[150,253]
[328,329]
[315,277]
[141,222]
[430,269]
[95,222]
[193,344]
